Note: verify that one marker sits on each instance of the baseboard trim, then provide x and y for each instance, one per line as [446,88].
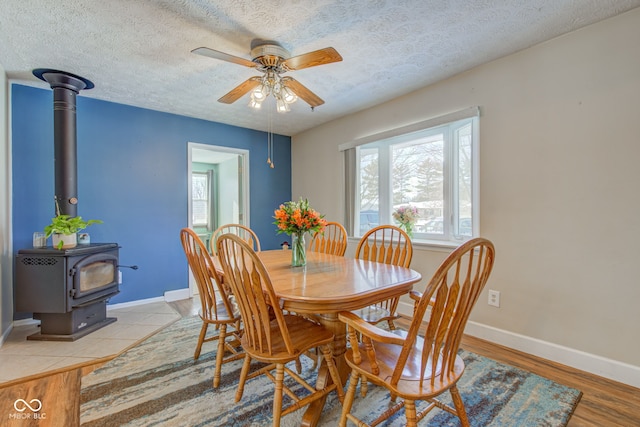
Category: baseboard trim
[169,296]
[5,335]
[28,321]
[597,365]
[135,303]
[177,295]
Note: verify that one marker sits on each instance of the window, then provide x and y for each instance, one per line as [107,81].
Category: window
[200,198]
[433,169]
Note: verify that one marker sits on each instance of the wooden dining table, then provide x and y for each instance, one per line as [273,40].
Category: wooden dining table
[326,285]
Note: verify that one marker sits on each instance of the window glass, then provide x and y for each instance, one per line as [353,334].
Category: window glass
[463,138]
[430,171]
[369,189]
[200,195]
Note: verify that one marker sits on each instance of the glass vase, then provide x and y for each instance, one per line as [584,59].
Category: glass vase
[408,228]
[298,250]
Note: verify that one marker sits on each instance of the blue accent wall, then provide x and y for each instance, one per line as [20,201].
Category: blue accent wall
[132,174]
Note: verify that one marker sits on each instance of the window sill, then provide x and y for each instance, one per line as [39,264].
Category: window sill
[438,245]
[426,245]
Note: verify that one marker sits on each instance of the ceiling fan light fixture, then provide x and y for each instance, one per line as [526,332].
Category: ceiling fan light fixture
[287,94]
[281,106]
[260,93]
[254,103]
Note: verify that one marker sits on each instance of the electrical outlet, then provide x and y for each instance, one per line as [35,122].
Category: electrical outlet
[494,298]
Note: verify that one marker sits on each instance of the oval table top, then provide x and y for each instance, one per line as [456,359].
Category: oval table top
[329,283]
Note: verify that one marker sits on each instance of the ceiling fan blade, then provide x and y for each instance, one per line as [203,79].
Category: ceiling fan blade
[237,92]
[205,51]
[302,92]
[312,59]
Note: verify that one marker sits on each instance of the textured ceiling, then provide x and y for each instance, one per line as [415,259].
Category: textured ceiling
[137,52]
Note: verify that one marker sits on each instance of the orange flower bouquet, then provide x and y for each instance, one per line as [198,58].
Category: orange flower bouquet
[296,219]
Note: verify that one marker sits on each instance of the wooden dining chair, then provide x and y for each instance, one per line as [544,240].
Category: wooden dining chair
[417,368]
[270,336]
[387,244]
[247,234]
[218,308]
[333,240]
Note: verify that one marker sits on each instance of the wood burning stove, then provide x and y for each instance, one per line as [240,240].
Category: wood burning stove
[67,289]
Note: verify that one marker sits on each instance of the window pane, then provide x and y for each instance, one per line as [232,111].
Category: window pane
[200,212]
[463,139]
[418,180]
[200,198]
[369,189]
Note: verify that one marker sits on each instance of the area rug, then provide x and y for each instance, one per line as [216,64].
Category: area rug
[157,383]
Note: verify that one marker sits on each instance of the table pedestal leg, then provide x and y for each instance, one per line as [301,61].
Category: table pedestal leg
[339,347]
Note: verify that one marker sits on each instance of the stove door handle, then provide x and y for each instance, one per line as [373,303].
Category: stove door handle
[133,267]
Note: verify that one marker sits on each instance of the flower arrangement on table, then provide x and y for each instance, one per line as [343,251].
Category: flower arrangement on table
[296,219]
[406,216]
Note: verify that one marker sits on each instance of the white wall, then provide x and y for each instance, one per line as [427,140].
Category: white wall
[560,148]
[6,258]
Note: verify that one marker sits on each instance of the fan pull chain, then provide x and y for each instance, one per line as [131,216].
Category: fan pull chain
[270,138]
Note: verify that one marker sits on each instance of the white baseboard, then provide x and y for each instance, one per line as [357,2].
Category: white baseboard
[29,321]
[177,295]
[597,365]
[169,296]
[5,335]
[136,302]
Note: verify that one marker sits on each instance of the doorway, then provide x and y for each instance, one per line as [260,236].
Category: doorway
[218,190]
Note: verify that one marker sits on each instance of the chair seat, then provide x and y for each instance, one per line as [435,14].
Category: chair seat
[304,334]
[408,386]
[374,314]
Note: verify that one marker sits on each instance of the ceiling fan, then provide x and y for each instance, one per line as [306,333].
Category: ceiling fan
[270,58]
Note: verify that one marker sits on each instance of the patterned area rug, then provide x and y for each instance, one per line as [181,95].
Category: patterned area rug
[157,383]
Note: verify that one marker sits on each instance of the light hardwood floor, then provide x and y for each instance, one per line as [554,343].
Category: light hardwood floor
[604,403]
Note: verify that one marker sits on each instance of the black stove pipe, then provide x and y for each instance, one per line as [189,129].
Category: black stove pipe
[65,88]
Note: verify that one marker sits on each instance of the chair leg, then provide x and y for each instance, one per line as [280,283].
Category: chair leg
[243,377]
[333,371]
[220,355]
[277,396]
[348,400]
[316,359]
[392,326]
[410,413]
[459,405]
[364,388]
[203,333]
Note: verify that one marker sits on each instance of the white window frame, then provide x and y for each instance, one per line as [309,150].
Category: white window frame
[412,132]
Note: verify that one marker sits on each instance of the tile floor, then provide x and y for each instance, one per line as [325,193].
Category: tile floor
[20,357]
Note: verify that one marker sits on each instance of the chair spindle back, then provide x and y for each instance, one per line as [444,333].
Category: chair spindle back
[207,278]
[332,241]
[450,296]
[245,273]
[387,244]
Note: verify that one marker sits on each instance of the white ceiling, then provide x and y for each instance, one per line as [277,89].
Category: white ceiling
[137,52]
